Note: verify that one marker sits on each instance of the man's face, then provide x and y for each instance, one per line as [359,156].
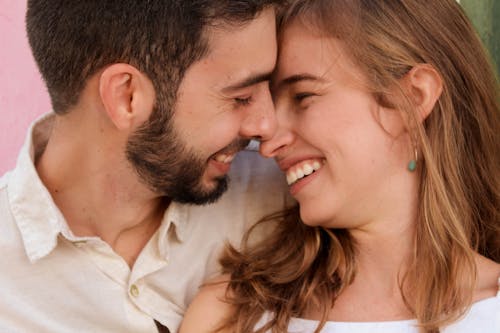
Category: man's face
[222,102]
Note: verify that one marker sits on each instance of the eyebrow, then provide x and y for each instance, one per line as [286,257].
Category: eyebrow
[247,82]
[298,78]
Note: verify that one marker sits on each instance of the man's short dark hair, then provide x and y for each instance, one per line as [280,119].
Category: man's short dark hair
[72,40]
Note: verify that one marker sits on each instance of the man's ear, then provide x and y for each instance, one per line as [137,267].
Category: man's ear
[424,87]
[127,95]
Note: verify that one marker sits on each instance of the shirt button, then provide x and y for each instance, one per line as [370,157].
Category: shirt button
[134,291]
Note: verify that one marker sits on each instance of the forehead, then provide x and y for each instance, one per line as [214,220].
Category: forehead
[238,51]
[306,51]
[302,48]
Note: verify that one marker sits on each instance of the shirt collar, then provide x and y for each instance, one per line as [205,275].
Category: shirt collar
[38,218]
[177,215]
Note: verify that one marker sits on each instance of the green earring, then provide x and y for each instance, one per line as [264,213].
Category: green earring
[412,165]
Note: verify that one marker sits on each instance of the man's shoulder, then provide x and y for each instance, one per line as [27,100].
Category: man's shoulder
[4,183]
[4,179]
[9,232]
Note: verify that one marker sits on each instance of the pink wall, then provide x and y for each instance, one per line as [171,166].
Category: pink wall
[23,96]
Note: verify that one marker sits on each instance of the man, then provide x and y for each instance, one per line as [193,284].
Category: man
[152,101]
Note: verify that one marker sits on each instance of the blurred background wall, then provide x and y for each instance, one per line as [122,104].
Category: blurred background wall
[485,14]
[23,96]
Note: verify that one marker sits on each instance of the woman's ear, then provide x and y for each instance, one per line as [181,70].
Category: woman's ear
[424,87]
[127,94]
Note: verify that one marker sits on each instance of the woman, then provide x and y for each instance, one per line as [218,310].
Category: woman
[389,138]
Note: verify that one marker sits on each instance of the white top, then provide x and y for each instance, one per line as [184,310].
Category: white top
[483,317]
[52,281]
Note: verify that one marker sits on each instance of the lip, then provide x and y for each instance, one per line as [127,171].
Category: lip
[301,183]
[232,149]
[221,167]
[286,163]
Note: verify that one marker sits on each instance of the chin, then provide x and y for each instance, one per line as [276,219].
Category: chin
[309,219]
[315,217]
[209,185]
[211,191]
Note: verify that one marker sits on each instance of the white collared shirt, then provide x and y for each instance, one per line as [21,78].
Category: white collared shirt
[53,281]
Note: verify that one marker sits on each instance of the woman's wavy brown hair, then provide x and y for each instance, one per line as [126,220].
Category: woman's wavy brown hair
[298,267]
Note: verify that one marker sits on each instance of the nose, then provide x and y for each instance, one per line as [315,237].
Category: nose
[282,138]
[260,122]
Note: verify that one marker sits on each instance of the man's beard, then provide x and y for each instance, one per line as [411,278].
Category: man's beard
[168,167]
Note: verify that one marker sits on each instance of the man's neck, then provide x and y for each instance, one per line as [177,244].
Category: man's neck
[98,193]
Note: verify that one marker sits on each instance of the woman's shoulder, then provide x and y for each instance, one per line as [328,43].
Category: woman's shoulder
[488,278]
[208,309]
[483,316]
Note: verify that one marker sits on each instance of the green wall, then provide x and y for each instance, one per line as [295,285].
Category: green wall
[485,14]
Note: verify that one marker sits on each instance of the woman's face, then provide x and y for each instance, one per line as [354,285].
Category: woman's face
[344,155]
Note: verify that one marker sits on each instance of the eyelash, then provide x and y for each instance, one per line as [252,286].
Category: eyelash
[243,101]
[302,96]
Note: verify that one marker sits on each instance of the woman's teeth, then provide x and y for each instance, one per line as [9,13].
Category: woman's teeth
[304,169]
